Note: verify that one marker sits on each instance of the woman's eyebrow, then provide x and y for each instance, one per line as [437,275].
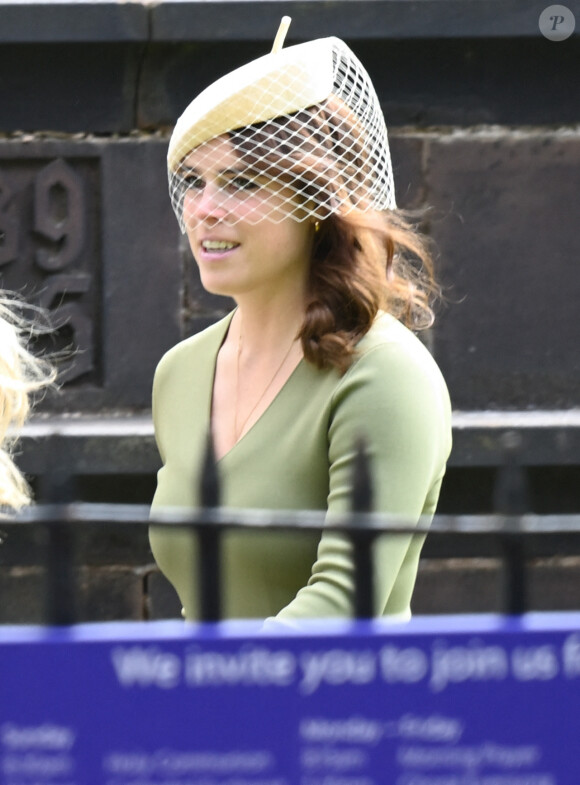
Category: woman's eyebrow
[185,167]
[237,172]
[230,172]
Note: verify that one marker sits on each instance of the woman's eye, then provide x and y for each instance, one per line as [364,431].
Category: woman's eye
[242,183]
[192,180]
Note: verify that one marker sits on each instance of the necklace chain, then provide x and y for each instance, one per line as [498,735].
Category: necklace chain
[238,431]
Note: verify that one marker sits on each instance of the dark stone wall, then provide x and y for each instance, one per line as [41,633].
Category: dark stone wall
[115,578]
[484,119]
[87,233]
[483,114]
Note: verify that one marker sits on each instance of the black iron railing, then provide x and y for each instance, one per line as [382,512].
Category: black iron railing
[511,533]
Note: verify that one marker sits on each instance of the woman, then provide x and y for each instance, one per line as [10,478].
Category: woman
[20,374]
[280,175]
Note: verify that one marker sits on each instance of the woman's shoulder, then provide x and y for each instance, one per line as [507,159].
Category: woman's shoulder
[203,346]
[395,379]
[389,341]
[392,363]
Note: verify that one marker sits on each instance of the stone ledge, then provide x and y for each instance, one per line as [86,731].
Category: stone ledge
[54,21]
[480,438]
[456,61]
[179,20]
[125,444]
[71,21]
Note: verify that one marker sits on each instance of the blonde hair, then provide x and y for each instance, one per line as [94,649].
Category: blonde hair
[21,374]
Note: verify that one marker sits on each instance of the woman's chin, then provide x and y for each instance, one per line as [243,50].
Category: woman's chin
[226,283]
[219,288]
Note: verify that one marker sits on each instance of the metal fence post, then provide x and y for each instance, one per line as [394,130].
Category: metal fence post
[209,539]
[362,537]
[56,491]
[511,499]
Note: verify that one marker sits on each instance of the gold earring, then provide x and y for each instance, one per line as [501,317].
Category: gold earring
[316,226]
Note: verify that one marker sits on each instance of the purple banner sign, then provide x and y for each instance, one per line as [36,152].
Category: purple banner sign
[464,700]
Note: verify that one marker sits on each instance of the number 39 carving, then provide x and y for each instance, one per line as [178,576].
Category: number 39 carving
[58,215]
[54,245]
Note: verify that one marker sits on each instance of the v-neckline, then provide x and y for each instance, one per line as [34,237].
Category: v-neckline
[228,320]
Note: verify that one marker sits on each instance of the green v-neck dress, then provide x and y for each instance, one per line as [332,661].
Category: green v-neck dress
[299,455]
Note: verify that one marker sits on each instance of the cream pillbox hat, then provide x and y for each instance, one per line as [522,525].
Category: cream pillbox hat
[323,77]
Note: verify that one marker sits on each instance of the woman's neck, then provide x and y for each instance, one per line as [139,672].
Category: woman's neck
[261,328]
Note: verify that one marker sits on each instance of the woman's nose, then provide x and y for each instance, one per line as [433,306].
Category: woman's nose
[204,203]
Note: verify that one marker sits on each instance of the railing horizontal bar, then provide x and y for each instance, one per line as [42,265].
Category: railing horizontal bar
[84,513]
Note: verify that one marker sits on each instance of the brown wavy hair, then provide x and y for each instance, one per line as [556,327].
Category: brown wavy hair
[364,263]
[364,260]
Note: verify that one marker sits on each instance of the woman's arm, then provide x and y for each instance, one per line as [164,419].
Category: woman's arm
[397,402]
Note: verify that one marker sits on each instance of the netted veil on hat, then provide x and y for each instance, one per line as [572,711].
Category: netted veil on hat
[307,131]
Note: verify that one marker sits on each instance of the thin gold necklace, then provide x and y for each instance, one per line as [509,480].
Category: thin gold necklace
[239,431]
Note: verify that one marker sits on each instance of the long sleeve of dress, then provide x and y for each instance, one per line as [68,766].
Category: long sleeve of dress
[396,402]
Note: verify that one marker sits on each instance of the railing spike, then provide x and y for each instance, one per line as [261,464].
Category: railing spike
[511,498]
[57,490]
[210,484]
[209,540]
[362,536]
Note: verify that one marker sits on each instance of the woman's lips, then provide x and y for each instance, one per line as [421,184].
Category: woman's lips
[218,245]
[217,248]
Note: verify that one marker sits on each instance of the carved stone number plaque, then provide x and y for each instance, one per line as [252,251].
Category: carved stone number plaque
[49,253]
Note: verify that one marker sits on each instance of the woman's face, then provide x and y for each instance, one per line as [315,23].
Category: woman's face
[238,225]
